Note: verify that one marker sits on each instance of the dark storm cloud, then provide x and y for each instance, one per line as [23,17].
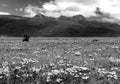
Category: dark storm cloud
[104,16]
[43,1]
[100,13]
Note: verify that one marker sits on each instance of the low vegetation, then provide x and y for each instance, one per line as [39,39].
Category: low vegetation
[60,62]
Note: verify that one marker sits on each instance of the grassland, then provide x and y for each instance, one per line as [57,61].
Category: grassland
[60,61]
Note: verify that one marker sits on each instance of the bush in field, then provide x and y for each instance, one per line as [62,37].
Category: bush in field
[26,38]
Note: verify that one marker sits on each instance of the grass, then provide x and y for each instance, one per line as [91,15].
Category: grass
[60,61]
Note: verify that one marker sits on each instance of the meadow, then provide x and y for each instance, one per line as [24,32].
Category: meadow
[60,61]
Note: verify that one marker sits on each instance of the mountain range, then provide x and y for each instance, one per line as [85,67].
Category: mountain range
[43,26]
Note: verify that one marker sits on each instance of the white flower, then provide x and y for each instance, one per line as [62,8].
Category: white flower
[59,56]
[114,74]
[55,72]
[51,64]
[115,68]
[61,61]
[49,73]
[5,63]
[17,76]
[33,60]
[99,49]
[7,74]
[6,70]
[36,69]
[69,69]
[48,79]
[115,77]
[1,70]
[85,77]
[76,76]
[80,73]
[78,53]
[84,68]
[114,59]
[58,80]
[35,52]
[92,59]
[18,67]
[13,62]
[1,76]
[110,76]
[114,46]
[25,75]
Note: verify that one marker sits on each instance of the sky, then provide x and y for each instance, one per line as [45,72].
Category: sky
[56,8]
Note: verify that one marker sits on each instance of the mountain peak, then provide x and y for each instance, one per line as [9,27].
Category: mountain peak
[73,18]
[78,17]
[39,16]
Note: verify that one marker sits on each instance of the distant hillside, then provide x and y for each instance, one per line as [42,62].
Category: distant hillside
[40,25]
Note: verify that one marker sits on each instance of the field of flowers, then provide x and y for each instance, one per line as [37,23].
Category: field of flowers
[60,61]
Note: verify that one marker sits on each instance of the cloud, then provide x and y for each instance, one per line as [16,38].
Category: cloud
[31,11]
[4,13]
[85,2]
[111,7]
[4,5]
[55,8]
[102,14]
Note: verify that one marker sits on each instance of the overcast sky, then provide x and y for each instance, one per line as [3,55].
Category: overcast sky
[56,8]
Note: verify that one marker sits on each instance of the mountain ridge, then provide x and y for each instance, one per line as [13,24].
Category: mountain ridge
[43,26]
